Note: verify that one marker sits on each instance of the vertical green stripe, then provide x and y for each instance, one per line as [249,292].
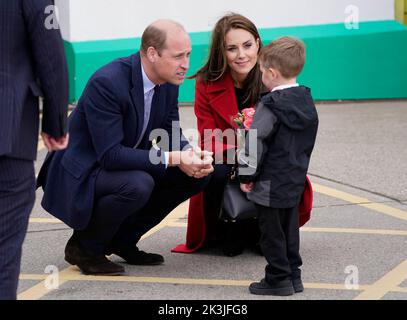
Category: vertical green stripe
[399,10]
[405,11]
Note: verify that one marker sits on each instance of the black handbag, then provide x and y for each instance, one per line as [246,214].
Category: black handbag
[235,205]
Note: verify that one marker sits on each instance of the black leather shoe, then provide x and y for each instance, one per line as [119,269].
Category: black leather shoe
[284,288]
[232,250]
[234,244]
[89,263]
[134,256]
[298,286]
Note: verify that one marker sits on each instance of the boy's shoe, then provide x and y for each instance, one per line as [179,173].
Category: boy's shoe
[298,286]
[284,288]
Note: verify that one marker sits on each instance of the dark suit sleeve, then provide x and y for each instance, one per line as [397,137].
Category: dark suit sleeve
[104,116]
[50,66]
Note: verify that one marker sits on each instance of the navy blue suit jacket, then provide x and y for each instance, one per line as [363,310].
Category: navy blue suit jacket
[32,64]
[104,129]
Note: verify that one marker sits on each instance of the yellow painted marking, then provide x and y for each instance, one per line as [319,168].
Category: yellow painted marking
[44,220]
[73,274]
[38,291]
[28,276]
[177,224]
[386,284]
[41,145]
[363,202]
[357,231]
[179,212]
[328,230]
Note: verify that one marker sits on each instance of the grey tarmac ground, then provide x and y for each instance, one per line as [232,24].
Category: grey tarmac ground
[354,247]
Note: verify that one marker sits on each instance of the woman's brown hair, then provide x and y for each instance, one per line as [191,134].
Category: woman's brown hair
[216,65]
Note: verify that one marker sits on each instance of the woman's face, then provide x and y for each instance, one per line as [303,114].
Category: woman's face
[241,52]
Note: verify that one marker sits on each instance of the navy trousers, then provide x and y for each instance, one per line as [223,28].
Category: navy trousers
[280,243]
[17,195]
[129,203]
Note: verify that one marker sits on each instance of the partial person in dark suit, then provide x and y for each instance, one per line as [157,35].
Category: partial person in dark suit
[32,64]
[112,184]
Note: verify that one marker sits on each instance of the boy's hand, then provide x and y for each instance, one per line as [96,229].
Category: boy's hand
[246,187]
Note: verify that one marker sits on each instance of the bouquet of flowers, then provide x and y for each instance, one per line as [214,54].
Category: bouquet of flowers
[244,118]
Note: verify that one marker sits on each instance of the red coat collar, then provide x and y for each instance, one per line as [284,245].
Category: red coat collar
[222,97]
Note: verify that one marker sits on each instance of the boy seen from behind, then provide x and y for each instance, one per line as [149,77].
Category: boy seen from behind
[286,122]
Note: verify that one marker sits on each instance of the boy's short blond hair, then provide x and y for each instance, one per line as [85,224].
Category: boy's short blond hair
[286,54]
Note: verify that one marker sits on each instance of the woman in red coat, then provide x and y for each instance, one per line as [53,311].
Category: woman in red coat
[229,82]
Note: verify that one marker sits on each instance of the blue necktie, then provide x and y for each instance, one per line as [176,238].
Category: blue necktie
[148,103]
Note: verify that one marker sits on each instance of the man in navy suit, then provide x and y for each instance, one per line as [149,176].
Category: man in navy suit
[32,64]
[112,184]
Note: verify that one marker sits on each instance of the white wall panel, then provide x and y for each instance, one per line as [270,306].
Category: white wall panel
[84,20]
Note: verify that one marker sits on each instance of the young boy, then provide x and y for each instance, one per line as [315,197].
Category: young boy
[286,121]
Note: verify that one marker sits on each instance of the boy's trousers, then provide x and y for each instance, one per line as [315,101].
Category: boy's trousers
[280,243]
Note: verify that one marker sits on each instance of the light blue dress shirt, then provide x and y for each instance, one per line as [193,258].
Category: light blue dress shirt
[148,87]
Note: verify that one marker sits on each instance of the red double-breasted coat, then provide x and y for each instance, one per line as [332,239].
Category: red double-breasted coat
[215,106]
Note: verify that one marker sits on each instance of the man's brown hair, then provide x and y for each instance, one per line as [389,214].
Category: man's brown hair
[286,54]
[155,35]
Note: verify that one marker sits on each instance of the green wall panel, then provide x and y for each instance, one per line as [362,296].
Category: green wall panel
[365,63]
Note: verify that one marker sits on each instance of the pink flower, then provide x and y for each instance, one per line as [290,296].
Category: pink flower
[244,118]
[247,123]
[248,113]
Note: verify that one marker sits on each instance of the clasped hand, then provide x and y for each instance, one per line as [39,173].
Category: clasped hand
[196,163]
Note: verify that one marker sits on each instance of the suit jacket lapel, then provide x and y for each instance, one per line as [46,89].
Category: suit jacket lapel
[137,92]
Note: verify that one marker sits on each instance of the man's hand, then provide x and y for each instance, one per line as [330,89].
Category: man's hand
[246,187]
[55,144]
[206,156]
[193,164]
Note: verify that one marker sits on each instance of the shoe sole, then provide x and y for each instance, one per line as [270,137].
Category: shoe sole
[298,290]
[102,274]
[272,292]
[298,287]
[73,262]
[154,263]
[145,264]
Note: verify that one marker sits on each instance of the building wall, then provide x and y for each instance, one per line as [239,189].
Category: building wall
[348,46]
[86,20]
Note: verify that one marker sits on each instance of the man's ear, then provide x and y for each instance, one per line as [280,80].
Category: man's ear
[152,54]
